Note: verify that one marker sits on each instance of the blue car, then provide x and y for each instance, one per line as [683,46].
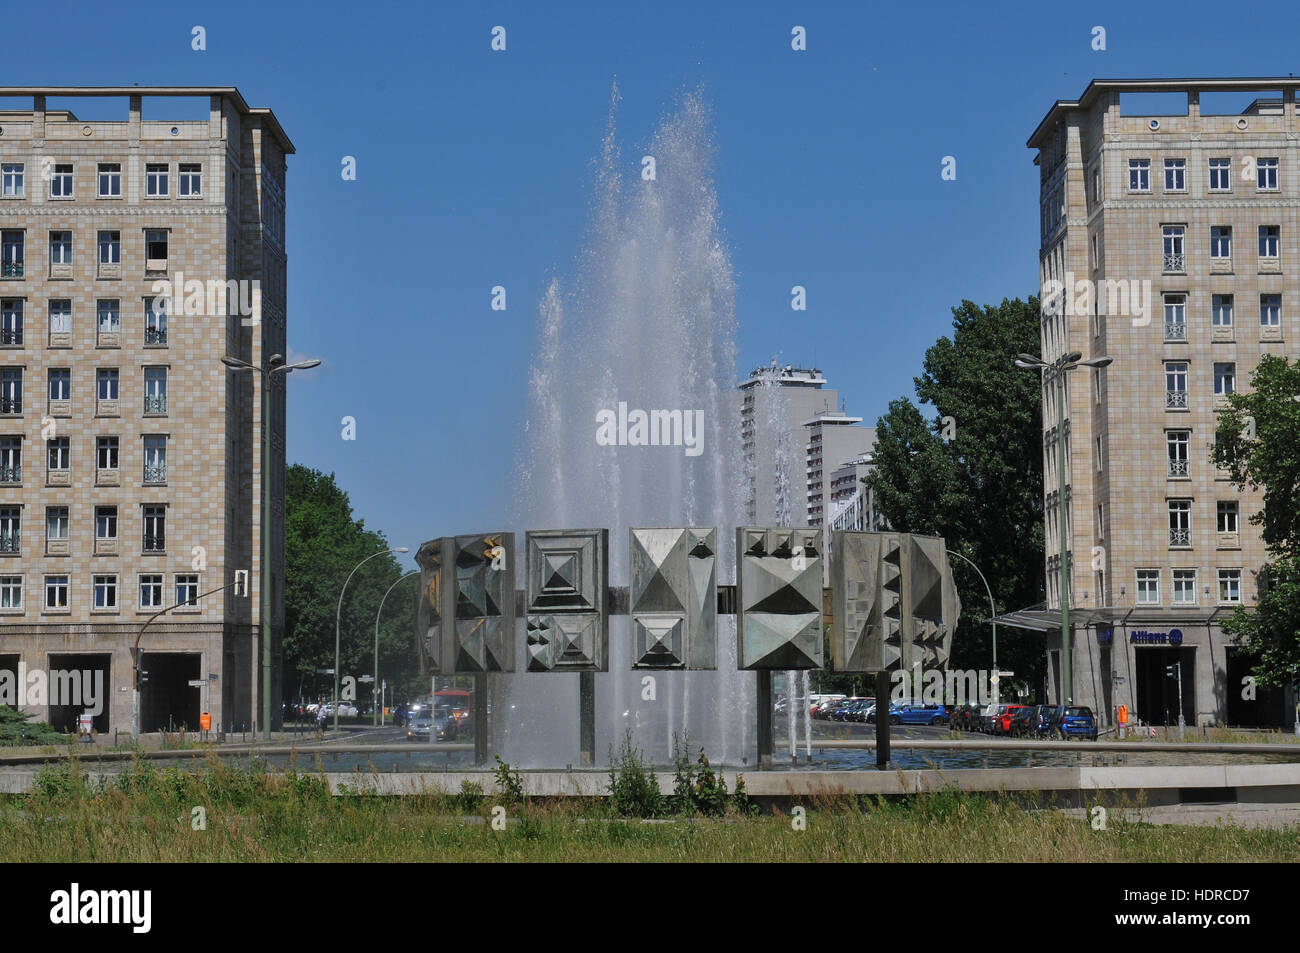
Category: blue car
[1074,721]
[918,715]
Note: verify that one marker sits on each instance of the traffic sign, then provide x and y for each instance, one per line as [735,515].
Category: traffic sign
[198,682]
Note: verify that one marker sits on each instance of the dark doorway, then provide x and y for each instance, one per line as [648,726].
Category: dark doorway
[79,683]
[1157,689]
[167,700]
[9,676]
[1266,710]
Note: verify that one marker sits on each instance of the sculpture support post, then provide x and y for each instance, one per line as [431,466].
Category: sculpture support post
[764,719]
[882,719]
[481,718]
[587,718]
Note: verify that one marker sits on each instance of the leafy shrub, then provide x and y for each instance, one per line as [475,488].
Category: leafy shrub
[633,787]
[510,784]
[470,798]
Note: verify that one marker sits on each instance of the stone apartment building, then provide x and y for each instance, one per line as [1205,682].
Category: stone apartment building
[1193,203]
[129,455]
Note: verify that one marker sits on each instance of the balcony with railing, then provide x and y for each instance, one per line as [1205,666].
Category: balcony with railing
[1175,400]
[1175,331]
[10,542]
[155,337]
[1177,469]
[11,405]
[12,473]
[1180,537]
[11,337]
[155,473]
[1175,264]
[155,543]
[155,403]
[11,269]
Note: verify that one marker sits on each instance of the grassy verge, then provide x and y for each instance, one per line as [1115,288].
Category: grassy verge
[149,814]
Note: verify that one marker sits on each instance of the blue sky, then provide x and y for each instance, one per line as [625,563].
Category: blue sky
[474,169]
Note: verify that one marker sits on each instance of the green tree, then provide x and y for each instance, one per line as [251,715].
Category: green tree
[1258,442]
[323,542]
[974,473]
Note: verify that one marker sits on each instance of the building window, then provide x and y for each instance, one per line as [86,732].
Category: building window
[1266,174]
[155,321]
[1175,175]
[1176,444]
[1220,175]
[1175,317]
[1148,587]
[151,591]
[106,453]
[1229,585]
[110,180]
[1174,260]
[1225,378]
[11,459]
[110,316]
[61,181]
[106,522]
[56,522]
[155,458]
[110,248]
[11,322]
[191,179]
[1269,239]
[11,390]
[58,451]
[11,177]
[1228,512]
[1101,520]
[107,378]
[155,529]
[12,253]
[105,592]
[1139,175]
[1221,311]
[56,592]
[11,524]
[1221,241]
[155,180]
[60,383]
[11,592]
[60,316]
[1176,385]
[155,249]
[1184,587]
[1096,185]
[155,390]
[1180,522]
[1270,311]
[1100,454]
[60,248]
[187,589]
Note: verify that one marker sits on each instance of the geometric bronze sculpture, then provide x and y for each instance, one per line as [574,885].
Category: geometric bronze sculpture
[895,604]
[673,597]
[779,613]
[567,602]
[467,604]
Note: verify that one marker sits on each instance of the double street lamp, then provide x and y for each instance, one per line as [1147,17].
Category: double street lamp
[1058,368]
[275,365]
[338,622]
[375,687]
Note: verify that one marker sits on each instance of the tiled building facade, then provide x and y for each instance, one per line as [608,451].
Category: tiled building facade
[130,454]
[1198,213]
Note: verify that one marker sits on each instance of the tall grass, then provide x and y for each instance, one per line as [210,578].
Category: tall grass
[147,814]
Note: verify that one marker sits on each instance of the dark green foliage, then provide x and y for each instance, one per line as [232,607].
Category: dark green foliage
[633,787]
[17,728]
[510,784]
[982,490]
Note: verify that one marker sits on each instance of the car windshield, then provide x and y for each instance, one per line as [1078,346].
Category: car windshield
[1079,712]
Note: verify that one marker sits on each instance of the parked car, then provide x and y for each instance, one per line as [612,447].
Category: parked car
[1074,721]
[849,708]
[1024,722]
[917,714]
[1001,724]
[965,717]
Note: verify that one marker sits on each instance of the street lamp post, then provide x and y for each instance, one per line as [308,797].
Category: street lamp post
[275,365]
[338,623]
[375,686]
[1059,367]
[993,614]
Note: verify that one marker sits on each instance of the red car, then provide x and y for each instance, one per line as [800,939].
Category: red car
[1002,720]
